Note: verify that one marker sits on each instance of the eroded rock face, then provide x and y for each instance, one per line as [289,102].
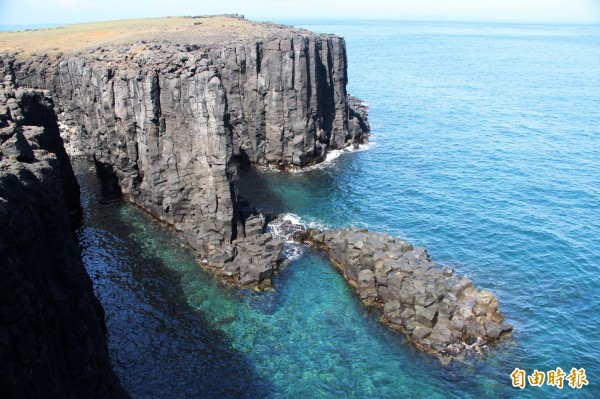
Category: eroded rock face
[52,331]
[27,120]
[439,311]
[170,121]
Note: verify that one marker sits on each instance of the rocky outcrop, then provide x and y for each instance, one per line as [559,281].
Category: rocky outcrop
[439,311]
[28,116]
[358,122]
[170,119]
[52,332]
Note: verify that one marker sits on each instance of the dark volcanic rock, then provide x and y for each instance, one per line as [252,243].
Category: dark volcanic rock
[31,124]
[52,332]
[170,120]
[441,313]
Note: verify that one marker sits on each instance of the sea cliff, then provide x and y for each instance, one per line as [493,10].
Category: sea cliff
[170,111]
[52,331]
[169,115]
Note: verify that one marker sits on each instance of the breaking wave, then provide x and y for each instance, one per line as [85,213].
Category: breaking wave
[284,227]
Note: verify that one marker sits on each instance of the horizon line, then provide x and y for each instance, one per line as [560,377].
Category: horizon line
[41,25]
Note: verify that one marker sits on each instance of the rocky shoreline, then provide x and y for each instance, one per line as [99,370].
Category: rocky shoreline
[168,122]
[442,313]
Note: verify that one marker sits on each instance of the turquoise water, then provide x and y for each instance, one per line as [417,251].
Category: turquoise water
[485,151]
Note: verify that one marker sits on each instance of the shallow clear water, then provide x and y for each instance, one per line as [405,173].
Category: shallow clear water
[485,151]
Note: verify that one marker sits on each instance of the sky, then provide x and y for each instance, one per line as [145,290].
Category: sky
[33,12]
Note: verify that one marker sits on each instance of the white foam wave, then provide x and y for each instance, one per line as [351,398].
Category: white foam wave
[332,155]
[284,227]
[293,251]
[295,219]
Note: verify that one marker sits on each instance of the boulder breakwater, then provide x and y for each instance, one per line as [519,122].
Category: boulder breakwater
[440,312]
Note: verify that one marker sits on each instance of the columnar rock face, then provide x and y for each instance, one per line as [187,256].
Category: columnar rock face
[170,119]
[439,311]
[52,332]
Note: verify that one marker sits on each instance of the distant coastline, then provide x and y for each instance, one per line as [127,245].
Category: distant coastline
[16,28]
[327,21]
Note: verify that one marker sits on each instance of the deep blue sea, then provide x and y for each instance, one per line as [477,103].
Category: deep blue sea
[485,149]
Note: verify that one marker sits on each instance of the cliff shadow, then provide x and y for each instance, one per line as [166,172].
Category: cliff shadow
[159,344]
[254,187]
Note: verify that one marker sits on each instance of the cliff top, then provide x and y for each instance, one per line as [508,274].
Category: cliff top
[193,30]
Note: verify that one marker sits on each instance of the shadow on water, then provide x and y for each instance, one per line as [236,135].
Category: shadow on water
[282,192]
[176,331]
[254,187]
[320,195]
[159,344]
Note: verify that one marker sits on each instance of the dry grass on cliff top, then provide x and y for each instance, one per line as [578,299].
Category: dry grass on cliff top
[73,38]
